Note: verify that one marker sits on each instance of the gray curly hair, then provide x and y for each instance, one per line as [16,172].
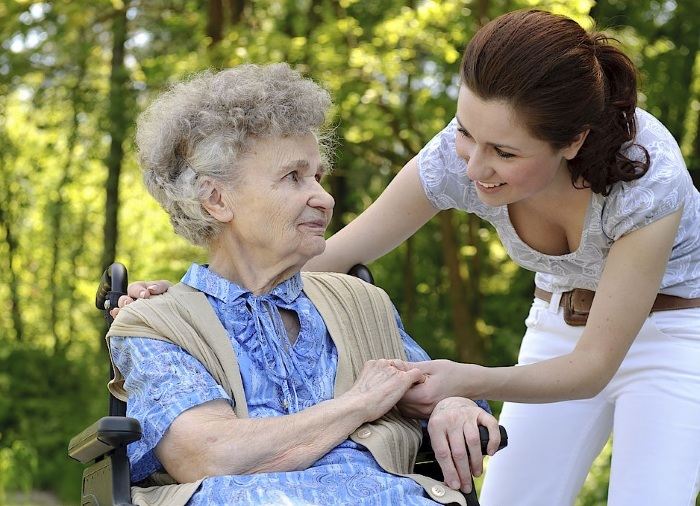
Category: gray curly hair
[205,126]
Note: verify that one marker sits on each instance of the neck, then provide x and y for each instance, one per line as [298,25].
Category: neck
[254,273]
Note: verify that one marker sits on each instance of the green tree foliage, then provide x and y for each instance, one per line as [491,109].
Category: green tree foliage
[73,76]
[663,40]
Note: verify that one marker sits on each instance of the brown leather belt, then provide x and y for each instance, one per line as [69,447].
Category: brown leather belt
[577,304]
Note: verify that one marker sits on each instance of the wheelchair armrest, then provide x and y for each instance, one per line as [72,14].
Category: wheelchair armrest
[102,437]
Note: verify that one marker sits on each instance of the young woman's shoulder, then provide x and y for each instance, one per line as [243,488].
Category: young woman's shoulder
[663,148]
[662,190]
[442,172]
[439,153]
[667,166]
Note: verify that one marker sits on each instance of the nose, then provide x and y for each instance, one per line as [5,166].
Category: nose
[477,168]
[322,200]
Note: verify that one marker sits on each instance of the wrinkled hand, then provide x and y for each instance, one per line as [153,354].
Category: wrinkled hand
[381,384]
[140,290]
[454,436]
[420,400]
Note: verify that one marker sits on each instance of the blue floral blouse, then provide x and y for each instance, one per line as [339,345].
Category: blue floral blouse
[163,381]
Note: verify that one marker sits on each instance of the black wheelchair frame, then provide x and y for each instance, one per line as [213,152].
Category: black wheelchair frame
[102,445]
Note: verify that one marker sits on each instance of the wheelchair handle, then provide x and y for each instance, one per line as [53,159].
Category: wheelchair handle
[112,286]
[361,271]
[484,436]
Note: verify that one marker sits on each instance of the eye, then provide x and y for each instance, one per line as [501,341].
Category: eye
[464,132]
[320,174]
[503,154]
[292,176]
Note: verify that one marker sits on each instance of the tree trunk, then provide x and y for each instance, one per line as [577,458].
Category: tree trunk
[118,126]
[463,318]
[62,284]
[475,349]
[13,281]
[481,11]
[237,9]
[694,156]
[215,21]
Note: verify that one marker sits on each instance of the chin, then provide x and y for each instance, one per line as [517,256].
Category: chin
[313,249]
[491,202]
[495,200]
[318,250]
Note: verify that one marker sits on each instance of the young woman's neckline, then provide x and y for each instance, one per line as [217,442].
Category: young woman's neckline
[556,230]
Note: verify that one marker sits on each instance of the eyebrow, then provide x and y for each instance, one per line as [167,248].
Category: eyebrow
[495,145]
[302,164]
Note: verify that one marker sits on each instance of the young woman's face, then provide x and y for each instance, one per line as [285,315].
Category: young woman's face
[505,162]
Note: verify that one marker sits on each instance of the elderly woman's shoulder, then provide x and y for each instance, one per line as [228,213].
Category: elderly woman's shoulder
[173,300]
[338,283]
[181,307]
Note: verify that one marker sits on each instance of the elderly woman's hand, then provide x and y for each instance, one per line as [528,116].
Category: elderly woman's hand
[141,290]
[454,435]
[380,385]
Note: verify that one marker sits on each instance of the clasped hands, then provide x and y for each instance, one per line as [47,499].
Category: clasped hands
[453,421]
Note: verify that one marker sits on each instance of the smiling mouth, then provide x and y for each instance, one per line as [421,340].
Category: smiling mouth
[491,185]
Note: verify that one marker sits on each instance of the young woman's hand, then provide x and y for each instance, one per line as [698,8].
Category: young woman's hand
[141,290]
[440,382]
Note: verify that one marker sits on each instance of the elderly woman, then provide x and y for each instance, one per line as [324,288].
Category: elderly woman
[255,384]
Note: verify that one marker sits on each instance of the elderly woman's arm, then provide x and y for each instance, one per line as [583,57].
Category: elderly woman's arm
[209,439]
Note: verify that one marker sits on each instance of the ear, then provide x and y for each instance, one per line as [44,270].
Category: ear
[216,202]
[570,151]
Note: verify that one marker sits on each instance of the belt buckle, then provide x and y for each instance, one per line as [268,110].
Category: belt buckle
[572,317]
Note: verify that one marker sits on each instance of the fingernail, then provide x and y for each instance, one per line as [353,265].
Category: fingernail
[153,287]
[143,293]
[454,485]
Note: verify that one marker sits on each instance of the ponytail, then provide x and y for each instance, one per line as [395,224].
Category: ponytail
[601,161]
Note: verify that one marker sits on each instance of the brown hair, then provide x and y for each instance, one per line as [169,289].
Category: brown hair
[561,80]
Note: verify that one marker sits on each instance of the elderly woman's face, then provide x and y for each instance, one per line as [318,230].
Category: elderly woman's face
[280,209]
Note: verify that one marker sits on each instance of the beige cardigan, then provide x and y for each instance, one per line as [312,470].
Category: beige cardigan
[361,323]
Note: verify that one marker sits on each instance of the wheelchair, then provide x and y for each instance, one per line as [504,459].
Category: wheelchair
[102,445]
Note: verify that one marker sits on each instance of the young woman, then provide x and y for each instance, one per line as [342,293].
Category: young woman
[592,194]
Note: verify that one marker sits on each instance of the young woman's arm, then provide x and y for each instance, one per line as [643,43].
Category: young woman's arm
[396,215]
[626,292]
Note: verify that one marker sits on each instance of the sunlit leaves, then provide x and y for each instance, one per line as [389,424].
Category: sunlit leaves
[393,70]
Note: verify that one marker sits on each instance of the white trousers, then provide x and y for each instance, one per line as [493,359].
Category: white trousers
[652,407]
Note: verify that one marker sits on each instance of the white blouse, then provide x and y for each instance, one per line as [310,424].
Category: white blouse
[664,189]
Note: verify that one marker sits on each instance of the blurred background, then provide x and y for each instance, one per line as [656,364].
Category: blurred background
[75,73]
